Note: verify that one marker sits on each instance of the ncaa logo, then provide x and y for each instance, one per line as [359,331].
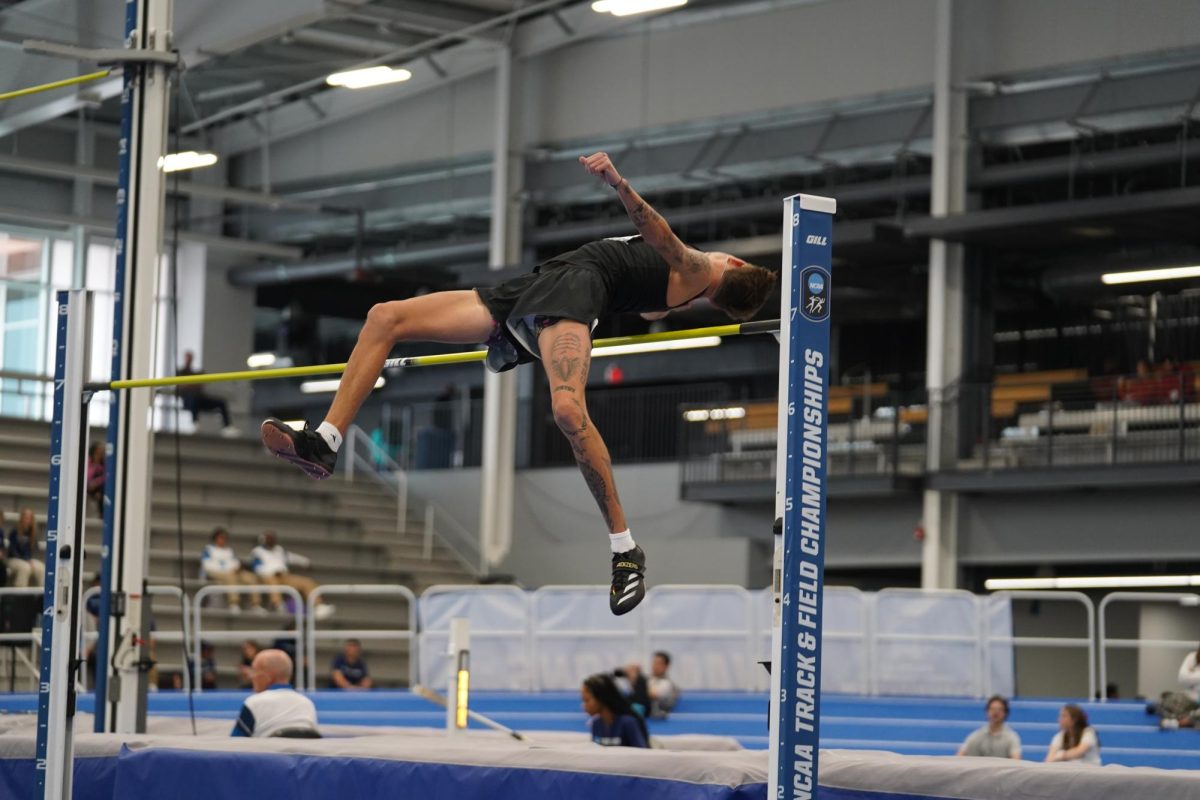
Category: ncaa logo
[814,294]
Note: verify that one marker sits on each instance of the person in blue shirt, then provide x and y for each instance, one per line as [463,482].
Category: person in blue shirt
[613,722]
[349,670]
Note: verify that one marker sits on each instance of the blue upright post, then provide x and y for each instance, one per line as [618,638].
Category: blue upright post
[800,496]
[122,254]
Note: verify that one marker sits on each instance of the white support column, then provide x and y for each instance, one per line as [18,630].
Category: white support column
[135,338]
[944,342]
[500,390]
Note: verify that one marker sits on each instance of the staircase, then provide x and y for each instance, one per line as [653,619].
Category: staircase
[348,529]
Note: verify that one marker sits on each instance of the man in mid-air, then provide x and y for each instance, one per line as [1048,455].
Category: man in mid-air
[549,315]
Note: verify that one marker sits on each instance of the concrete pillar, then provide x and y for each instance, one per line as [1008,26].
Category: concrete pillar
[500,391]
[944,343]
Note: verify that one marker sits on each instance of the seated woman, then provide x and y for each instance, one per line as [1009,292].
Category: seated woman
[1075,740]
[613,722]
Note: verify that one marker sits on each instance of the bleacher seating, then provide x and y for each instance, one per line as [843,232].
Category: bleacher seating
[347,529]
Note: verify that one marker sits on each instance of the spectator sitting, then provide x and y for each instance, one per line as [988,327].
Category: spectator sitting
[3,552]
[249,650]
[221,566]
[664,693]
[996,739]
[196,400]
[208,666]
[22,544]
[1177,709]
[611,719]
[271,564]
[275,708]
[95,476]
[349,670]
[1075,740]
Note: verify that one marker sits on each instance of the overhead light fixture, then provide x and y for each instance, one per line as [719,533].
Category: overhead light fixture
[189,159]
[706,414]
[1141,275]
[317,387]
[626,8]
[260,360]
[1102,582]
[369,76]
[655,347]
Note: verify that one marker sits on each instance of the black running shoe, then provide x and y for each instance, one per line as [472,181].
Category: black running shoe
[628,581]
[306,449]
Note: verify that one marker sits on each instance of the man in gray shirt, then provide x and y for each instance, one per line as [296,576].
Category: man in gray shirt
[996,739]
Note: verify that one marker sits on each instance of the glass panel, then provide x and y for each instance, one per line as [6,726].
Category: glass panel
[21,258]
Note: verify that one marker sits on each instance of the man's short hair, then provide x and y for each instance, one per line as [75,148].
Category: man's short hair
[744,290]
[997,699]
[664,655]
[354,642]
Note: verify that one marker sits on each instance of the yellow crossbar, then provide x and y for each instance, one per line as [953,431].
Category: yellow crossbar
[46,87]
[736,329]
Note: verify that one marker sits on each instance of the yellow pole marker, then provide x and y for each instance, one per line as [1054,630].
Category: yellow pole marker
[735,329]
[46,87]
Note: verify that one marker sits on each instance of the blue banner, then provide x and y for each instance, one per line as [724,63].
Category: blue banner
[799,660]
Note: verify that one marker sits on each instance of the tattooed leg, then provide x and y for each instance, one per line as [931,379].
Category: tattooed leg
[566,348]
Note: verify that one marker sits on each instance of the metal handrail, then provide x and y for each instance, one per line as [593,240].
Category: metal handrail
[396,478]
[233,636]
[382,590]
[1044,641]
[1183,598]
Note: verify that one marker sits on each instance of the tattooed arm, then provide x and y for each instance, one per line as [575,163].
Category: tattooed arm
[692,265]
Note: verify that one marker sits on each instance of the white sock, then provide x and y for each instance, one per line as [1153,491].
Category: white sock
[621,542]
[331,435]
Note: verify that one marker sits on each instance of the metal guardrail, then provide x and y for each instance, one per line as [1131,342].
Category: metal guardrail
[234,636]
[89,634]
[1189,599]
[1088,641]
[408,634]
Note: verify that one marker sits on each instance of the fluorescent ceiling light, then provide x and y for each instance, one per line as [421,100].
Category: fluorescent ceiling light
[705,414]
[654,347]
[625,8]
[370,76]
[317,387]
[190,159]
[1138,276]
[1104,582]
[260,360]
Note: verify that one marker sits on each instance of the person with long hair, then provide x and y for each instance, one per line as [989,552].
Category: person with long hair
[613,722]
[22,546]
[1075,740]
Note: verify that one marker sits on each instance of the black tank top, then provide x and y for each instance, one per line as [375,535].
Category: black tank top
[633,272]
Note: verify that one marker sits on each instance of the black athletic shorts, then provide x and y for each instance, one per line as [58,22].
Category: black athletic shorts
[553,293]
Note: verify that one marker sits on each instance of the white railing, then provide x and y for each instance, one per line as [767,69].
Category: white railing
[408,634]
[88,632]
[1188,599]
[1088,641]
[296,634]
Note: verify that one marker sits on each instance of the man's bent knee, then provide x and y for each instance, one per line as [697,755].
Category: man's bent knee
[569,414]
[385,320]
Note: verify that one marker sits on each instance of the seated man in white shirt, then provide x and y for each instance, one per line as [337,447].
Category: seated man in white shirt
[275,708]
[272,565]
